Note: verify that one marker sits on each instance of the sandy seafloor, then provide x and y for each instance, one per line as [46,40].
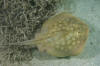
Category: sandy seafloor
[89,12]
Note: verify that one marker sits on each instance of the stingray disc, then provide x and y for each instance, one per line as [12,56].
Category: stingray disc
[62,35]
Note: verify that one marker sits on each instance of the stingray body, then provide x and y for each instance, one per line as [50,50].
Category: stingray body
[62,35]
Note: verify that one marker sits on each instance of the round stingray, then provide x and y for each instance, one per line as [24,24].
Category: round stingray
[62,35]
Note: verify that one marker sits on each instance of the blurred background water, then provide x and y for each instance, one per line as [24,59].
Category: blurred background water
[89,12]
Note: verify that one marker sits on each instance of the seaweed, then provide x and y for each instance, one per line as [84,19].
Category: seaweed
[19,21]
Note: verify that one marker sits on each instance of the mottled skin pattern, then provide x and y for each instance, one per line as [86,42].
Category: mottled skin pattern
[62,35]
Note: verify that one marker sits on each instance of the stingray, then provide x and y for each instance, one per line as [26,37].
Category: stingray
[61,35]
